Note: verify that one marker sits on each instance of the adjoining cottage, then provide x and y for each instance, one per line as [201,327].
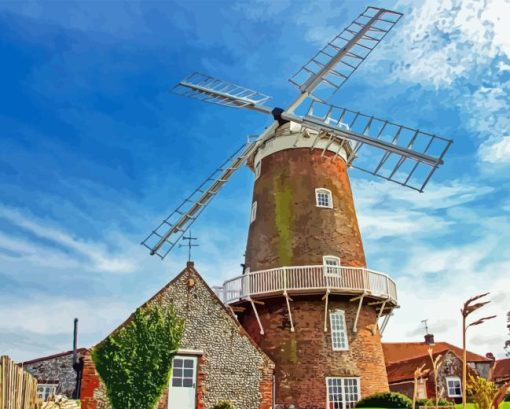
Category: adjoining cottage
[501,372]
[54,373]
[403,358]
[217,360]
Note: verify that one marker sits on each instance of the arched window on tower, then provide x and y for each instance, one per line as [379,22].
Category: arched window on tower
[331,266]
[323,198]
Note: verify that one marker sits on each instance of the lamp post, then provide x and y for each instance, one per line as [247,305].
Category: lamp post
[467,309]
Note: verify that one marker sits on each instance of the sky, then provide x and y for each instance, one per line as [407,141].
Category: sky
[95,151]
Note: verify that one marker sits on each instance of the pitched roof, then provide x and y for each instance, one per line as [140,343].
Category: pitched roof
[404,370]
[58,355]
[501,369]
[403,351]
[192,272]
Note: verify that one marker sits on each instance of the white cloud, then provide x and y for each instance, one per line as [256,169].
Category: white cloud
[440,41]
[496,152]
[97,255]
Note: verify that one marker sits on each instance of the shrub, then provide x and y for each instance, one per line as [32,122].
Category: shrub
[421,402]
[507,397]
[135,361]
[481,391]
[385,400]
[223,405]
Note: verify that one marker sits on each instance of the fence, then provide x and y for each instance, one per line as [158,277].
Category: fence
[18,389]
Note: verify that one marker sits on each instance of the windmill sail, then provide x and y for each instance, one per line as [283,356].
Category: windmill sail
[327,71]
[208,89]
[394,152]
[167,235]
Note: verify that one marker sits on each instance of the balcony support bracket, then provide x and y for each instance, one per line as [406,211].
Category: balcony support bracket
[326,300]
[385,322]
[288,299]
[379,316]
[355,325]
[256,315]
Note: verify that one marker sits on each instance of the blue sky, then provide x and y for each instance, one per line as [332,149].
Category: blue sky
[94,151]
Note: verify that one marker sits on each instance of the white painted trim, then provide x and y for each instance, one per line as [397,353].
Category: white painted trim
[296,137]
[341,313]
[343,388]
[330,197]
[189,352]
[331,270]
[453,378]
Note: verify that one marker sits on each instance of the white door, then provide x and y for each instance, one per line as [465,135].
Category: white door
[182,394]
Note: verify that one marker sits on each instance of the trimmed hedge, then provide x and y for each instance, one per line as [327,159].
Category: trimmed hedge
[385,400]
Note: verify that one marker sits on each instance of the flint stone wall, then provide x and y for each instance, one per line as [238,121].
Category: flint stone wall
[55,369]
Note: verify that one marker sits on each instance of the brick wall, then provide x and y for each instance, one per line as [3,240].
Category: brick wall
[304,358]
[231,366]
[290,230]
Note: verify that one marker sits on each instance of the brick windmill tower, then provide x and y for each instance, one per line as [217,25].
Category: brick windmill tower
[306,295]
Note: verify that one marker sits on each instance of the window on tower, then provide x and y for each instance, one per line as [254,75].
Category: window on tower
[323,198]
[257,169]
[253,212]
[331,266]
[343,393]
[339,340]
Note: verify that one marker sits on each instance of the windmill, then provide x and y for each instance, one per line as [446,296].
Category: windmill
[304,257]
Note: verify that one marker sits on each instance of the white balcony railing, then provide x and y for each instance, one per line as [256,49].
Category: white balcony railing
[308,279]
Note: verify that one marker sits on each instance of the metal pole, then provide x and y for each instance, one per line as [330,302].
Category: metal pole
[464,364]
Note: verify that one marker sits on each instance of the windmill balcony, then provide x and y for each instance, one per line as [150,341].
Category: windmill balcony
[303,280]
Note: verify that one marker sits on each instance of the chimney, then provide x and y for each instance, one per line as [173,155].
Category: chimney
[490,356]
[429,339]
[75,342]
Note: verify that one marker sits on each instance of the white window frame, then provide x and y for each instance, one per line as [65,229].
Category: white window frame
[45,390]
[339,336]
[329,267]
[320,191]
[257,169]
[253,214]
[345,386]
[453,378]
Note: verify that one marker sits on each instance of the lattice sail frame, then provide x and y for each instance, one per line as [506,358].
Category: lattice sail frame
[404,155]
[208,89]
[345,53]
[398,153]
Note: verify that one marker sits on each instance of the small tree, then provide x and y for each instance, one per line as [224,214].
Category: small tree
[135,361]
[436,364]
[418,375]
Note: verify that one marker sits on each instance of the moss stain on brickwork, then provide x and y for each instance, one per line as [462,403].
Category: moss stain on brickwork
[283,219]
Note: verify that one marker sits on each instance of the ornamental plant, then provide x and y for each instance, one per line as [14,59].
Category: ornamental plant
[386,400]
[135,362]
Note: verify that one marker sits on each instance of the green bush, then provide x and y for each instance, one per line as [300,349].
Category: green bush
[421,402]
[135,361]
[385,400]
[507,397]
[223,405]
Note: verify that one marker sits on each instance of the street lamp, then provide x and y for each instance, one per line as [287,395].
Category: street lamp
[465,311]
